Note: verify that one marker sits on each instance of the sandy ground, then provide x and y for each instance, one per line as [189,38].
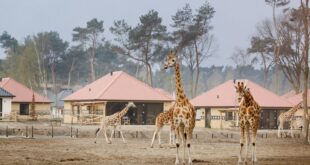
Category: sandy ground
[205,150]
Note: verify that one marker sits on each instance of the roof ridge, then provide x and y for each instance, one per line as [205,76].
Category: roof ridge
[43,97]
[6,81]
[148,86]
[107,87]
[279,97]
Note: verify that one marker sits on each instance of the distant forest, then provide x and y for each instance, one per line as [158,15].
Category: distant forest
[140,50]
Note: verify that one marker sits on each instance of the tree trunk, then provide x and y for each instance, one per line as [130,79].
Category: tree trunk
[197,70]
[149,74]
[92,69]
[54,83]
[305,8]
[70,73]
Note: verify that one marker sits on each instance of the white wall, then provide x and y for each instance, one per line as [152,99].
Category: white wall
[6,106]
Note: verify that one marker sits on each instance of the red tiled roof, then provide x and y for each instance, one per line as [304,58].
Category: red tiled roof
[289,94]
[162,91]
[298,98]
[224,96]
[21,92]
[117,86]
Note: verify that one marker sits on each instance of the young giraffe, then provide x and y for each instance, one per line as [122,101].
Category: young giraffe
[164,118]
[114,121]
[183,113]
[288,116]
[249,118]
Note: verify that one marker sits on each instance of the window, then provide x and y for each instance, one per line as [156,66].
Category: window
[229,116]
[24,109]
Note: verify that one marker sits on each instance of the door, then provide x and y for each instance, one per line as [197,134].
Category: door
[208,118]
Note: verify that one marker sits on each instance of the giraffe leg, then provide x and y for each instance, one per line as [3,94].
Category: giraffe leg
[105,134]
[253,139]
[188,144]
[97,133]
[172,136]
[247,139]
[112,133]
[154,136]
[120,131]
[183,138]
[279,129]
[241,143]
[158,134]
[291,125]
[177,145]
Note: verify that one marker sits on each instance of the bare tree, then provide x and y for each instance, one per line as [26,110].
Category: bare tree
[276,45]
[194,39]
[304,6]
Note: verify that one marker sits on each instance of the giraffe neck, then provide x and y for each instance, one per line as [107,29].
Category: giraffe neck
[178,84]
[124,111]
[248,99]
[292,111]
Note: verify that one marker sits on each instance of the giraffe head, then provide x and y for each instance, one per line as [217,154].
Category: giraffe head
[241,90]
[171,59]
[131,104]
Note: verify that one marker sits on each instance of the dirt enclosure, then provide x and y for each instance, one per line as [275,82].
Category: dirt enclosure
[208,147]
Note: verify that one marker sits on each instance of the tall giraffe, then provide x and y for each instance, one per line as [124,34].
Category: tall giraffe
[164,118]
[183,113]
[249,118]
[288,116]
[114,121]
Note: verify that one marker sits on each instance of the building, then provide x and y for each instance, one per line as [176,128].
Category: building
[5,104]
[21,103]
[109,94]
[218,107]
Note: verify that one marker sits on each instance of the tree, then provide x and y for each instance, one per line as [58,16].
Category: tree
[8,42]
[242,59]
[261,48]
[304,6]
[90,38]
[276,45]
[142,43]
[193,38]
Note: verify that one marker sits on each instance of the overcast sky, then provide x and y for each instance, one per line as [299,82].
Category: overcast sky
[234,21]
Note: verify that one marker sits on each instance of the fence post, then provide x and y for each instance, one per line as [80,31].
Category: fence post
[196,136]
[77,133]
[71,131]
[136,134]
[26,131]
[32,131]
[212,135]
[52,131]
[7,131]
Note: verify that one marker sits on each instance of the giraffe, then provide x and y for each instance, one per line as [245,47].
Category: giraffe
[249,118]
[114,121]
[288,116]
[183,113]
[162,119]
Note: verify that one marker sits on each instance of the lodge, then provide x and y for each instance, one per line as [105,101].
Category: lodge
[17,105]
[218,107]
[109,94]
